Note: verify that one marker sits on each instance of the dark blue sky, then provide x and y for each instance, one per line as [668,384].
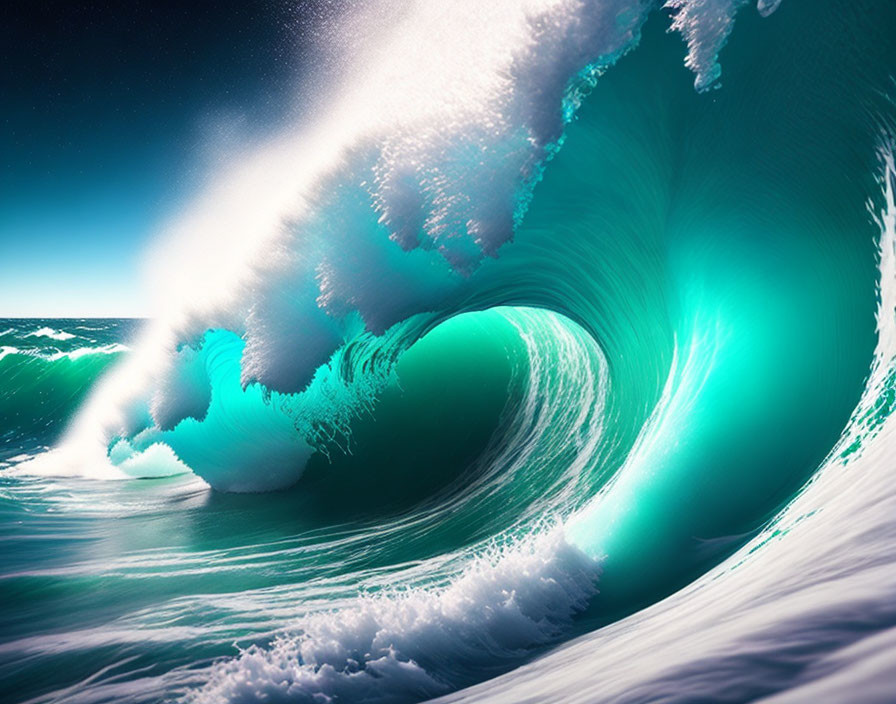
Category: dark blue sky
[108,114]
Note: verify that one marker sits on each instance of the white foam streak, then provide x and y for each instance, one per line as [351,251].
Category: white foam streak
[113,348]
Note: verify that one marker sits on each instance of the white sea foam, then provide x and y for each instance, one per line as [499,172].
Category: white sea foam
[407,645]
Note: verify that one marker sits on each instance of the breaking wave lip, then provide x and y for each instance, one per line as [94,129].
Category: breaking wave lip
[385,230]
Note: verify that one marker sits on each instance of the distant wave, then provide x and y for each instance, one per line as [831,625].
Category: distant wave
[52,334]
[52,355]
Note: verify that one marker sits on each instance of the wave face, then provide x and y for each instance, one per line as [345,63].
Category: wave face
[534,336]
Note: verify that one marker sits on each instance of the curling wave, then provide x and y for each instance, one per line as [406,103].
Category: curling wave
[533,331]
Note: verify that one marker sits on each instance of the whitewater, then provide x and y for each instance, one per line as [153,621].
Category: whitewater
[525,364]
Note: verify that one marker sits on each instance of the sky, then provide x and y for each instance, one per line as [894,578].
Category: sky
[110,116]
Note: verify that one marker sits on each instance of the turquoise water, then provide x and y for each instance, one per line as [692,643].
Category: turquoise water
[397,465]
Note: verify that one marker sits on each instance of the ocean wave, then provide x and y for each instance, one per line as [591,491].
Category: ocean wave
[662,399]
[388,225]
[803,610]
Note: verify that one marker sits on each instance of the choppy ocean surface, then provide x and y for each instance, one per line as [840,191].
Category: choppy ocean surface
[539,367]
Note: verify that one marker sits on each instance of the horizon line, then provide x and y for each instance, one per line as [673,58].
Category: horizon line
[75,317]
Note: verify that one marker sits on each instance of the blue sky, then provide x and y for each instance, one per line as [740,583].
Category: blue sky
[106,109]
[71,236]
